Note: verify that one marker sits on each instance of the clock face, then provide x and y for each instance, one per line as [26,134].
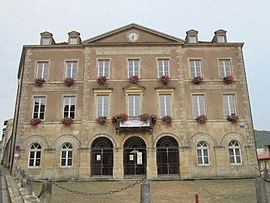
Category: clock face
[133,36]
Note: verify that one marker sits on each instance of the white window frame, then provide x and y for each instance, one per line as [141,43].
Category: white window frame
[102,67]
[45,41]
[43,69]
[39,100]
[70,72]
[221,39]
[133,110]
[192,39]
[68,149]
[165,108]
[194,67]
[69,98]
[202,146]
[35,151]
[104,111]
[73,40]
[234,146]
[133,67]
[229,107]
[196,105]
[163,67]
[225,67]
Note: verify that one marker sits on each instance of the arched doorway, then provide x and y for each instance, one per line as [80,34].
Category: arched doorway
[167,156]
[134,156]
[102,157]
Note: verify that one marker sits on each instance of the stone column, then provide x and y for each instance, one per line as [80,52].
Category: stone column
[151,169]
[118,163]
[84,169]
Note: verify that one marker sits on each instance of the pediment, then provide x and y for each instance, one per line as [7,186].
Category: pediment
[134,88]
[145,35]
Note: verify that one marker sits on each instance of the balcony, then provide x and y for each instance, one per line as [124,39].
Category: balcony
[133,125]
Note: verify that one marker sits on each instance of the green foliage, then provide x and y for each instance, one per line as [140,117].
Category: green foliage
[262,138]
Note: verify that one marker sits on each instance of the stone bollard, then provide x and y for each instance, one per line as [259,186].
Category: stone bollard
[261,193]
[46,192]
[145,191]
[29,184]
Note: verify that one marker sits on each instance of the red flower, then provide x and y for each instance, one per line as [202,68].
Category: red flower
[167,120]
[39,81]
[197,80]
[35,121]
[119,118]
[101,120]
[201,119]
[102,80]
[134,79]
[67,121]
[165,79]
[145,117]
[69,81]
[233,118]
[228,79]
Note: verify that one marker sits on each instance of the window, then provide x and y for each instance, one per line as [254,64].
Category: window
[202,153]
[234,152]
[229,105]
[69,107]
[198,105]
[103,68]
[102,106]
[195,68]
[221,39]
[34,155]
[45,41]
[163,67]
[192,39]
[165,105]
[133,68]
[71,69]
[39,107]
[42,70]
[133,105]
[225,67]
[66,155]
[73,40]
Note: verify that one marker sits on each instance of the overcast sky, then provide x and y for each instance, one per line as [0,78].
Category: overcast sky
[21,23]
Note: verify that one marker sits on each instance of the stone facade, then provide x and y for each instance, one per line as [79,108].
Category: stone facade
[159,151]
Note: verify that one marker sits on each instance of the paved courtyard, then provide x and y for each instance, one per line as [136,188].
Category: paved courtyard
[228,191]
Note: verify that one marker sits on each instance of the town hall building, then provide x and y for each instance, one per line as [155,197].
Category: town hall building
[133,102]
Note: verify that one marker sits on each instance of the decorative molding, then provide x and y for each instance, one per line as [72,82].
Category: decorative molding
[63,88]
[213,87]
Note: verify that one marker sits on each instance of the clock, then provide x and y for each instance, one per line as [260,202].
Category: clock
[133,36]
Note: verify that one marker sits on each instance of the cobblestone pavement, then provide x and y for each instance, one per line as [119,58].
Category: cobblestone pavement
[228,191]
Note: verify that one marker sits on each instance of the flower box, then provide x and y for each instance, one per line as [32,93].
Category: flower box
[167,120]
[165,79]
[134,79]
[201,119]
[39,81]
[101,120]
[197,80]
[119,118]
[228,79]
[153,119]
[67,121]
[35,121]
[233,118]
[69,81]
[144,117]
[102,80]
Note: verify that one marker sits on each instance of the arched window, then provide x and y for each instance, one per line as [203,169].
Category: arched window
[66,154]
[202,153]
[34,155]
[234,152]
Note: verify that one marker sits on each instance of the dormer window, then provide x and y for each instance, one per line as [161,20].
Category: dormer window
[45,41]
[73,40]
[221,39]
[74,37]
[192,36]
[192,39]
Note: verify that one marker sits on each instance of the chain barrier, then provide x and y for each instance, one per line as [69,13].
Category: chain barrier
[98,193]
